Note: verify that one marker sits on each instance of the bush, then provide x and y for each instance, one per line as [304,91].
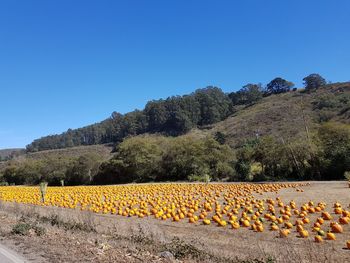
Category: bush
[347,175]
[159,158]
[24,228]
[334,150]
[21,228]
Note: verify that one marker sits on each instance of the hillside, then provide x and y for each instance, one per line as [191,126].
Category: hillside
[279,115]
[282,115]
[9,153]
[103,150]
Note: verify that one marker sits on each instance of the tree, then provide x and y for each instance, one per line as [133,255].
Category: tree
[220,137]
[156,115]
[178,119]
[334,144]
[247,95]
[279,85]
[214,105]
[314,81]
[137,160]
[83,169]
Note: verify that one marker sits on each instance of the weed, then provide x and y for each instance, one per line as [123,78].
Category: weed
[21,228]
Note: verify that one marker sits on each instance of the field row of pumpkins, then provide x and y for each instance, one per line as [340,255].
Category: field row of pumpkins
[224,205]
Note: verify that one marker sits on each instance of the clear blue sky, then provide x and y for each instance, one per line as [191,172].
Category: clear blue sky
[68,63]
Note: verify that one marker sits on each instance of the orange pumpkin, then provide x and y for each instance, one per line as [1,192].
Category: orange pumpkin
[326,216]
[338,210]
[300,228]
[274,227]
[306,220]
[246,223]
[304,233]
[222,223]
[284,233]
[337,228]
[260,228]
[235,225]
[346,213]
[330,236]
[206,221]
[320,220]
[318,239]
[288,225]
[344,220]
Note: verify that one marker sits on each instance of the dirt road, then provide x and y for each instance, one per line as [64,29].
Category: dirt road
[9,256]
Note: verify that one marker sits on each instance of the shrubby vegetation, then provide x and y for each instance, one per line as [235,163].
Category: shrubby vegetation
[159,158]
[72,171]
[329,104]
[325,157]
[149,158]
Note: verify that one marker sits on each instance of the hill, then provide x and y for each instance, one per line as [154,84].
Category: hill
[286,115]
[54,165]
[244,114]
[6,154]
[102,150]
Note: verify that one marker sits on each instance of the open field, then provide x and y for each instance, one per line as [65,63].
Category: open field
[211,223]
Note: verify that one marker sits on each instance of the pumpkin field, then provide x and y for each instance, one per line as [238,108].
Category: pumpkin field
[269,214]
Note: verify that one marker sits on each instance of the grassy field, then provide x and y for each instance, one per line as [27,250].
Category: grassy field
[202,223]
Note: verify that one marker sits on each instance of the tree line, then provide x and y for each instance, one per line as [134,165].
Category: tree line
[325,155]
[173,116]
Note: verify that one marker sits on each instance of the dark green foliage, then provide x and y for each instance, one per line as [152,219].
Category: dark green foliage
[173,116]
[83,170]
[326,157]
[214,105]
[74,171]
[248,95]
[334,145]
[220,137]
[139,158]
[314,81]
[158,158]
[278,85]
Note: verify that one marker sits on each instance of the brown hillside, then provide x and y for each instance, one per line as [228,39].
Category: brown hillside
[282,115]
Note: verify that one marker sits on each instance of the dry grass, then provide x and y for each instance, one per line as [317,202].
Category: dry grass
[281,115]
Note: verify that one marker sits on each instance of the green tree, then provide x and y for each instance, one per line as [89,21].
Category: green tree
[279,85]
[314,81]
[137,160]
[83,170]
[249,94]
[334,145]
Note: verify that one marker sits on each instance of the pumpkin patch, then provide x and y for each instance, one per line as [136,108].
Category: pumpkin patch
[204,205]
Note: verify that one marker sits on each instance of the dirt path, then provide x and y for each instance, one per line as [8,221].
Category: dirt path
[9,256]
